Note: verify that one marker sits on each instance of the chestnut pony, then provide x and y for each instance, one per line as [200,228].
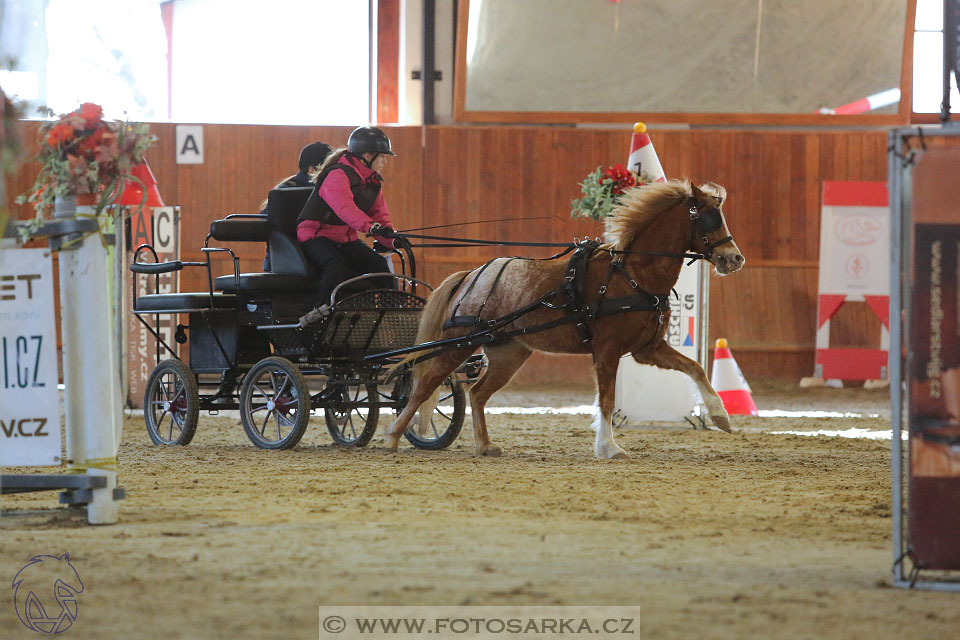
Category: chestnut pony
[659,218]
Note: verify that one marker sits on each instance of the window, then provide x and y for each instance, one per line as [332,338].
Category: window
[230,61]
[928,60]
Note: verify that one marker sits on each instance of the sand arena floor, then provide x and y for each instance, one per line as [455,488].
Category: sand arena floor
[718,536]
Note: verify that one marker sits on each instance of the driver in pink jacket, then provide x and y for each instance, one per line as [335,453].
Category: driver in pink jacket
[346,202]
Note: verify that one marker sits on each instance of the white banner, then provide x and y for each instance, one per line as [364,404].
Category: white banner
[854,241]
[29,401]
[647,393]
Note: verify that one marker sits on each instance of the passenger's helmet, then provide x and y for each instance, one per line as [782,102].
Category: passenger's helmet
[314,154]
[366,139]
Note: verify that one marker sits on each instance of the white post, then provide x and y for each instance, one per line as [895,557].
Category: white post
[90,374]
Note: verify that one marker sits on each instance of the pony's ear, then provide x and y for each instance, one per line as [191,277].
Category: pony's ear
[697,194]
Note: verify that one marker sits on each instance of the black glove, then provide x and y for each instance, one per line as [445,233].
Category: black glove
[377,229]
[381,248]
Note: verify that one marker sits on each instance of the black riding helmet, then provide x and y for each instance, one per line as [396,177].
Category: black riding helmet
[314,154]
[369,139]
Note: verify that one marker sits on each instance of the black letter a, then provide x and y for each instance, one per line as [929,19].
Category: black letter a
[188,144]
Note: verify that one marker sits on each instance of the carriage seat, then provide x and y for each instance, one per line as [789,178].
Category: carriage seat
[290,270]
[183,302]
[264,282]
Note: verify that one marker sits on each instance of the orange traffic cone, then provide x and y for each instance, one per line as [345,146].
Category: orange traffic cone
[729,383]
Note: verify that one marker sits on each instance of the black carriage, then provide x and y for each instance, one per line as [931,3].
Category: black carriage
[253,347]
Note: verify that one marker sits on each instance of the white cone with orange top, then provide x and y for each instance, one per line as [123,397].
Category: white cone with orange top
[643,157]
[728,381]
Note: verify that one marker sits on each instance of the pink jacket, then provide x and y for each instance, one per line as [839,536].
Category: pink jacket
[335,191]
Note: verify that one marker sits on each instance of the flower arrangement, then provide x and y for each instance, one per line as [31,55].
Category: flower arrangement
[81,153]
[600,190]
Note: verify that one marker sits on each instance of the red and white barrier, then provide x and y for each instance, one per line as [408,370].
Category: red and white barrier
[728,381]
[871,102]
[854,266]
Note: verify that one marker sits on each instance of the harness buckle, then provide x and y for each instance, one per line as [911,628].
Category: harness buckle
[603,289]
[491,323]
[694,214]
[633,283]
[584,331]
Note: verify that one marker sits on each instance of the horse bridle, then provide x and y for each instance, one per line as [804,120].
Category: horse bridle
[708,221]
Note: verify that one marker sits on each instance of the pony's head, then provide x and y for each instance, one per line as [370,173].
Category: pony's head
[699,208]
[711,237]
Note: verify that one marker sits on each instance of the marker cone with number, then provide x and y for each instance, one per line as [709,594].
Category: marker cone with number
[728,381]
[643,157]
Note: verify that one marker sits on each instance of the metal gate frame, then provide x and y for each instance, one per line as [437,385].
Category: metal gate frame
[903,144]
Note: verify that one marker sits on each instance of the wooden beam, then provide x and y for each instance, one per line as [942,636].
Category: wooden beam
[388,55]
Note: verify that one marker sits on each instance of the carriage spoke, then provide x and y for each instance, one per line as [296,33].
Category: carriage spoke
[276,383]
[279,437]
[283,387]
[162,387]
[262,392]
[265,421]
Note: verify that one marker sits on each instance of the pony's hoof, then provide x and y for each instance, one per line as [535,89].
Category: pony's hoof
[491,451]
[612,453]
[722,423]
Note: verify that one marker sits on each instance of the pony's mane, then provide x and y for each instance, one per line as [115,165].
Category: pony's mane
[638,206]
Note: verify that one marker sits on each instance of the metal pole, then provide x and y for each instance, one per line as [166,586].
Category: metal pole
[949,50]
[896,340]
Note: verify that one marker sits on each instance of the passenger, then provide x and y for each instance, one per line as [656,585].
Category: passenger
[311,157]
[348,201]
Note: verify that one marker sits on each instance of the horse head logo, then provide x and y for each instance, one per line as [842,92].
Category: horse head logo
[46,580]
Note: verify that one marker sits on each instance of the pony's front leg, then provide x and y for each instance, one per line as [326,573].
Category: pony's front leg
[666,357]
[606,369]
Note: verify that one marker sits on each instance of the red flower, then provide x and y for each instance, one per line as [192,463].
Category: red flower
[620,178]
[90,112]
[88,147]
[60,134]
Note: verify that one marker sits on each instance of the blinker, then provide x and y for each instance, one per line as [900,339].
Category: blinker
[710,220]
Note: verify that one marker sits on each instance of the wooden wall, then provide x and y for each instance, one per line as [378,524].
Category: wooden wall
[446,175]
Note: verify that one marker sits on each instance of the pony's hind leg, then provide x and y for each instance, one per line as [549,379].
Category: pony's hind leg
[503,362]
[666,357]
[424,385]
[606,370]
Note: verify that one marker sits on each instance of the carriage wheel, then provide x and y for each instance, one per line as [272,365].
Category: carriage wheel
[349,424]
[171,404]
[274,404]
[446,421]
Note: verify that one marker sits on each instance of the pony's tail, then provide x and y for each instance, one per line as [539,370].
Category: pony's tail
[430,329]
